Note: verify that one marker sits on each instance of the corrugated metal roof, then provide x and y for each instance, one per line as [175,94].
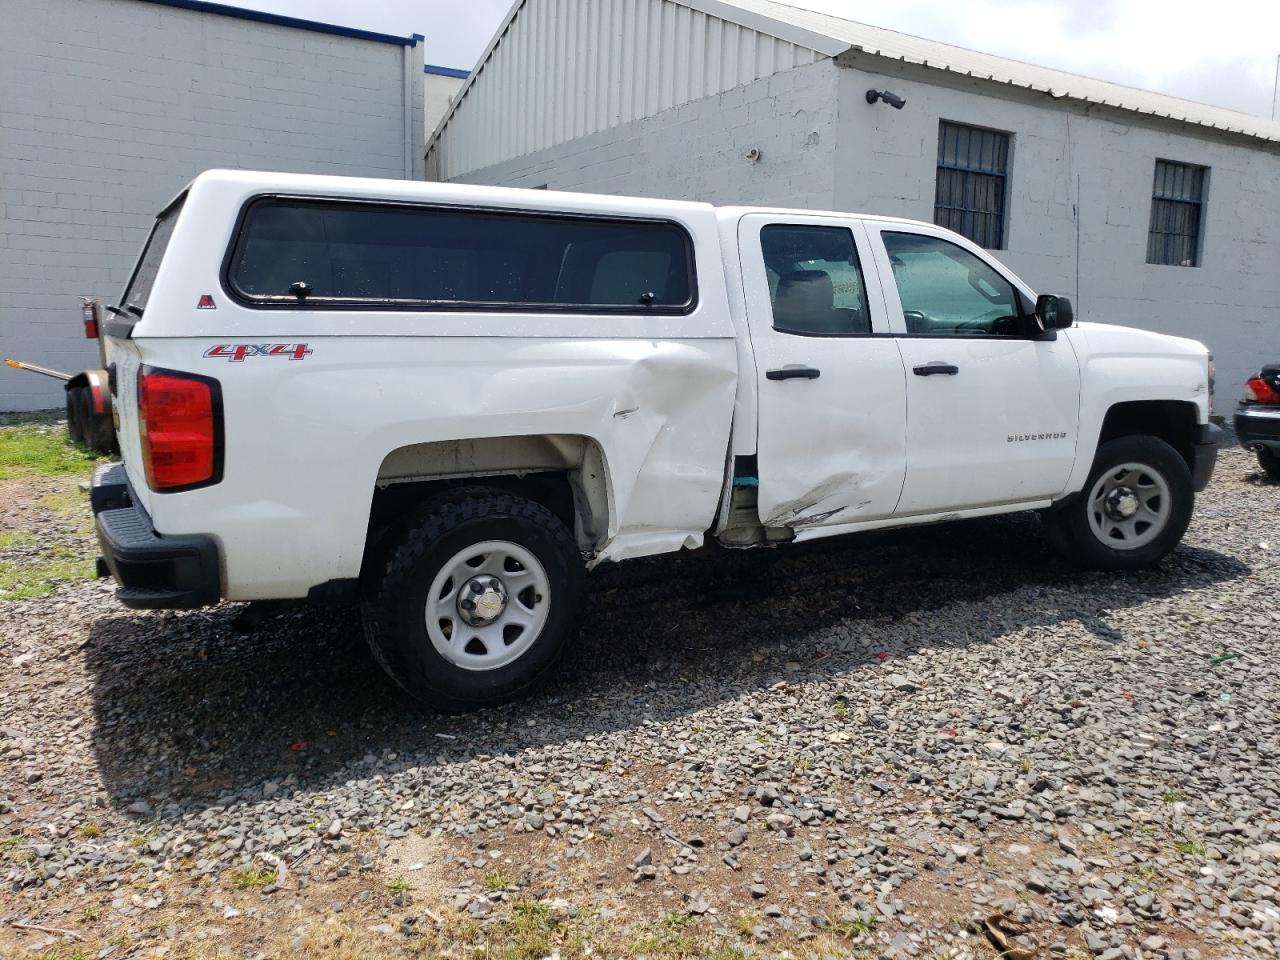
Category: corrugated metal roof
[971,63]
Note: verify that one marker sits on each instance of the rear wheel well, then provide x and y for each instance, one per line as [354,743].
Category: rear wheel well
[553,490]
[1173,421]
[564,473]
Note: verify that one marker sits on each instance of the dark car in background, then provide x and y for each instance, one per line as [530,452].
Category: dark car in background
[1257,420]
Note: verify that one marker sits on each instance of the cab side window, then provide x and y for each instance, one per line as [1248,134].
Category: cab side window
[815,281]
[946,291]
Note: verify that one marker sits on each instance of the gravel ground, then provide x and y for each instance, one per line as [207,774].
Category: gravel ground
[919,743]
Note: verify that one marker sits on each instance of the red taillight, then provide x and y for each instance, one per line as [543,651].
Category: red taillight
[1258,390]
[180,420]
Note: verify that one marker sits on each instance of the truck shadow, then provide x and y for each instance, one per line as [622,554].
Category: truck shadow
[190,713]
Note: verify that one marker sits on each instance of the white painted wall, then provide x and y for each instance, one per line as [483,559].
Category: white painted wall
[439,92]
[1100,162]
[108,107]
[698,150]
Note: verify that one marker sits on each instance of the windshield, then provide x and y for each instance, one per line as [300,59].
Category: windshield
[144,274]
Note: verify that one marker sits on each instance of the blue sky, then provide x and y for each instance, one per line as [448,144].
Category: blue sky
[1223,54]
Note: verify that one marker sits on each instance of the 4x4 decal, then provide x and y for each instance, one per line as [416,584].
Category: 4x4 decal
[236,352]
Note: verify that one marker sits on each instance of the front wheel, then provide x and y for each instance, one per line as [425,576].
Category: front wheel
[1133,510]
[1269,461]
[477,602]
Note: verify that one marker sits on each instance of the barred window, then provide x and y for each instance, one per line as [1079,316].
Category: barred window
[1176,204]
[973,165]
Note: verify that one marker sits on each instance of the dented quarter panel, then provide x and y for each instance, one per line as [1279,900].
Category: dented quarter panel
[337,416]
[306,437]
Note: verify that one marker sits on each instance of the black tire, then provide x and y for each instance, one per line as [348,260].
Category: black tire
[397,591]
[75,413]
[101,435]
[1070,528]
[1269,461]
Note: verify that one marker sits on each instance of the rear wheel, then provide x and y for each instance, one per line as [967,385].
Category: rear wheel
[1269,461]
[101,433]
[476,600]
[1133,510]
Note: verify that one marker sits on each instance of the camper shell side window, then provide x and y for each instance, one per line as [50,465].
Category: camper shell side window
[309,253]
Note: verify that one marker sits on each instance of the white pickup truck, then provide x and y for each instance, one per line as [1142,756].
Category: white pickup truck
[447,402]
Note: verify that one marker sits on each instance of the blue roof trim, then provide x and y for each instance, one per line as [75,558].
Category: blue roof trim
[446,71]
[240,13]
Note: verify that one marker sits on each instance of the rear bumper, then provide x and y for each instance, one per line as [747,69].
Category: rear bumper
[153,571]
[1258,426]
[1205,454]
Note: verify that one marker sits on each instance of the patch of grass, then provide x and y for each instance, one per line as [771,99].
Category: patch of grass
[762,738]
[18,538]
[803,764]
[1192,848]
[90,830]
[90,914]
[496,880]
[841,710]
[142,838]
[729,953]
[25,581]
[1149,874]
[8,843]
[659,945]
[70,504]
[857,926]
[532,932]
[253,879]
[1026,764]
[58,953]
[743,924]
[41,450]
[674,920]
[1172,796]
[398,886]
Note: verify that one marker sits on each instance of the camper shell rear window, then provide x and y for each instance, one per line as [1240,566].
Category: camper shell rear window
[307,253]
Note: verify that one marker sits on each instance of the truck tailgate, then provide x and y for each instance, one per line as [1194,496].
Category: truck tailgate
[125,361]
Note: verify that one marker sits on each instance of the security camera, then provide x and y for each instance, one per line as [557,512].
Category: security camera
[891,99]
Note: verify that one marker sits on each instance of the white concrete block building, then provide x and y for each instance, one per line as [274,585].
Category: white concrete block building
[442,85]
[107,107]
[1146,209]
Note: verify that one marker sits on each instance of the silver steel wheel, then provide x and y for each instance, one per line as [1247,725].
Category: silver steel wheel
[1129,506]
[487,605]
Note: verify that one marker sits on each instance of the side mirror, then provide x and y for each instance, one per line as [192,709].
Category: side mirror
[1054,312]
